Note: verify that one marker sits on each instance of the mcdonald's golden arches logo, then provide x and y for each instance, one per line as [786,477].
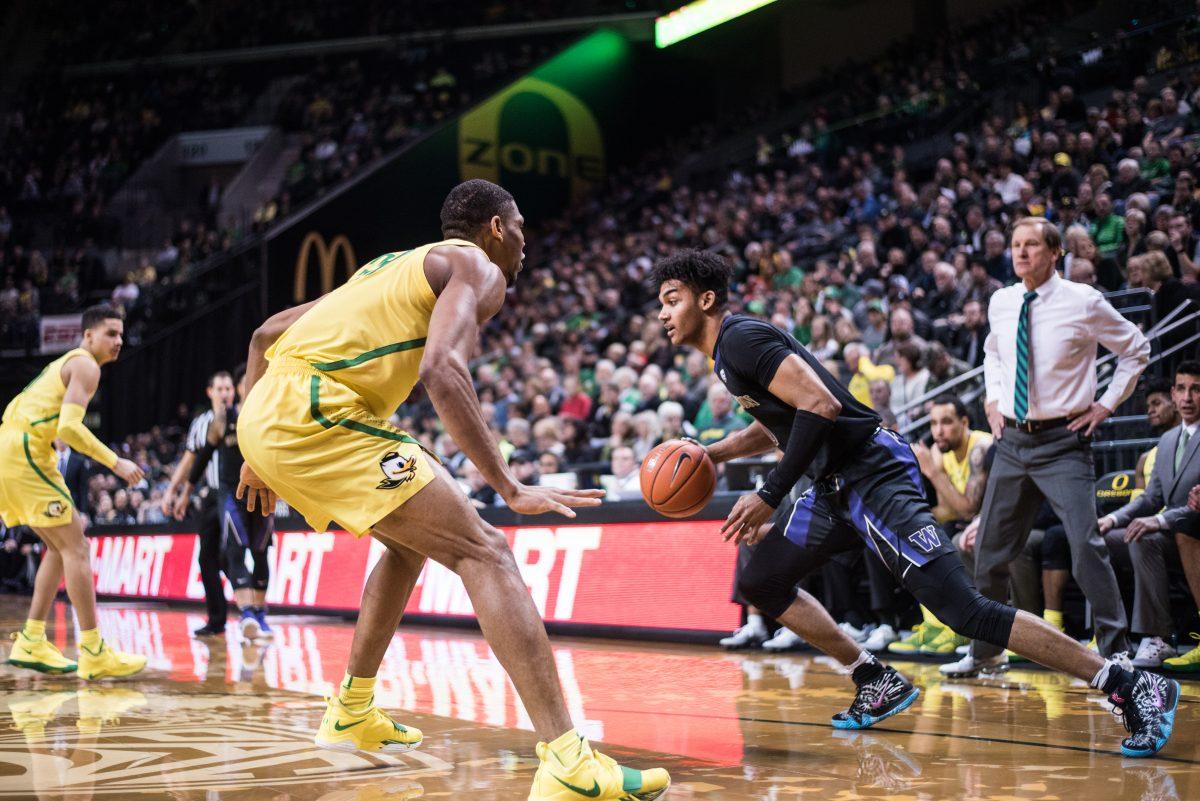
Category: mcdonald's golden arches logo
[327,255]
[481,154]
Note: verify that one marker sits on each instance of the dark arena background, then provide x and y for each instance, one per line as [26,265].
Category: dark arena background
[857,165]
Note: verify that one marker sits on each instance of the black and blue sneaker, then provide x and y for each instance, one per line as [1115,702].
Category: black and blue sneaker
[1147,708]
[877,700]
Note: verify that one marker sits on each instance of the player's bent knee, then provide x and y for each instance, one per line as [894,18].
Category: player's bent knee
[486,545]
[772,596]
[949,594]
[975,616]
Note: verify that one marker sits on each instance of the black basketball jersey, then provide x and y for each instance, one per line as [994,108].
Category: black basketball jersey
[748,353]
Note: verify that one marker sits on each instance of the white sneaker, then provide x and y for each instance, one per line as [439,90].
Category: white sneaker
[969,667]
[748,636]
[858,635]
[881,638]
[1152,652]
[784,640]
[963,649]
[1123,661]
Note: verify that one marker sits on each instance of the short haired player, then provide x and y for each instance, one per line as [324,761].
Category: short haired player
[32,493]
[314,429]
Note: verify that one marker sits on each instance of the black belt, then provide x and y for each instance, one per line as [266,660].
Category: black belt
[1036,426]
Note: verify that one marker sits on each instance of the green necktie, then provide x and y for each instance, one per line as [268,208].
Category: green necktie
[1021,400]
[1184,436]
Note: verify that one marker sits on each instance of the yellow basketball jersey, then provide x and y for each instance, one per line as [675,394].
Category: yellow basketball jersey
[369,333]
[960,472]
[35,409]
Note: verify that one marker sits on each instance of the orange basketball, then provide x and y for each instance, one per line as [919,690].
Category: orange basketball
[678,478]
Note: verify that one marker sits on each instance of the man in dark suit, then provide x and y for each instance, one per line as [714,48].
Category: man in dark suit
[1159,526]
[966,341]
[76,469]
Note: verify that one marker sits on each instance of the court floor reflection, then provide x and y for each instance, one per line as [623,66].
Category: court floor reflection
[225,719]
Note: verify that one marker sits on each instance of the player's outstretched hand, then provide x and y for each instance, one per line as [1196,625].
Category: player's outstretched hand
[258,495]
[746,519]
[538,500]
[128,472]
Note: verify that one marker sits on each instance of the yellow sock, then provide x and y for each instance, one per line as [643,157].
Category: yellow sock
[90,640]
[356,692]
[930,619]
[35,629]
[1054,617]
[568,748]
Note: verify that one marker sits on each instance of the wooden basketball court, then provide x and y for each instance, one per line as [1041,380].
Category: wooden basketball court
[224,720]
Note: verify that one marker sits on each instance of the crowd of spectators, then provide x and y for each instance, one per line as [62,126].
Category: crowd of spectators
[70,145]
[882,268]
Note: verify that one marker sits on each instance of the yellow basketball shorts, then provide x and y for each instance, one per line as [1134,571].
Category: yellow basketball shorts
[315,443]
[32,491]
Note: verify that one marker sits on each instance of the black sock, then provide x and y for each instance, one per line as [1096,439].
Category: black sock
[1118,678]
[867,672]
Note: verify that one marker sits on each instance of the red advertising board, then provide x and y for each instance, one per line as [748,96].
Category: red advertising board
[665,575]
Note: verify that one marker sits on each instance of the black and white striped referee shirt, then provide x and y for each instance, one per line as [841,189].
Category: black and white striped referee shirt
[196,439]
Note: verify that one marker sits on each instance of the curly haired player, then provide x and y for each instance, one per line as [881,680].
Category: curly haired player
[866,490]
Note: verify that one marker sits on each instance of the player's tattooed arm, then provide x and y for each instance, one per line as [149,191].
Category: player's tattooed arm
[977,482]
[750,441]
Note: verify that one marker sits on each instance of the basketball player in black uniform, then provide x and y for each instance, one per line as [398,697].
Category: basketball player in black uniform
[241,530]
[867,490]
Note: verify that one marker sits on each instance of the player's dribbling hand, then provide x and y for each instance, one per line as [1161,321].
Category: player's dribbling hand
[529,500]
[128,472]
[256,492]
[746,519]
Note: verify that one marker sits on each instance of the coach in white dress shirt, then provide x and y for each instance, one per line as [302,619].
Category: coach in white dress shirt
[1040,370]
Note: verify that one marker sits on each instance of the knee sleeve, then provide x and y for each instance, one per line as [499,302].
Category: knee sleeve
[768,580]
[769,593]
[942,586]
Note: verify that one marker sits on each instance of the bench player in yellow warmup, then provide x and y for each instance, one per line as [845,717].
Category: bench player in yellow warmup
[322,379]
[32,493]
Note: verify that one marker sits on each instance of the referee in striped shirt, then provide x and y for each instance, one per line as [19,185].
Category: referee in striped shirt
[177,497]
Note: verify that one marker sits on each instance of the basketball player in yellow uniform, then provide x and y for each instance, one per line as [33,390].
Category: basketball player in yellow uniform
[323,378]
[955,468]
[32,493]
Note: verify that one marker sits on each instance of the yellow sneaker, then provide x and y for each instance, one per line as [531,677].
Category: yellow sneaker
[105,705]
[922,635]
[594,776]
[30,716]
[107,663]
[368,730]
[1186,663]
[40,655]
[943,644]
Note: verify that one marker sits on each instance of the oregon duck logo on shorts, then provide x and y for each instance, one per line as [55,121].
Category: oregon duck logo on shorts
[397,470]
[55,509]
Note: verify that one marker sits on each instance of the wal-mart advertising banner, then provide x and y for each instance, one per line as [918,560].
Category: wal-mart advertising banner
[670,575]
[547,138]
